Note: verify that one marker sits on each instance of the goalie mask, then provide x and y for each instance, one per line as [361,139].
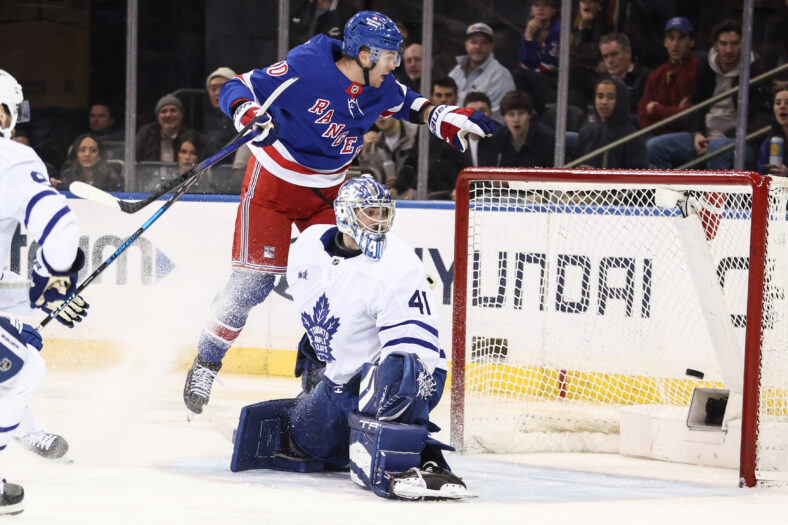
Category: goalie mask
[365,212]
[13,101]
[376,32]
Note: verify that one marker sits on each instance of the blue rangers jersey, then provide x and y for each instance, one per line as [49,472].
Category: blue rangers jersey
[356,310]
[27,197]
[323,115]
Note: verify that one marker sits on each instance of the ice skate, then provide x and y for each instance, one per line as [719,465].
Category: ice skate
[429,483]
[199,380]
[11,496]
[50,446]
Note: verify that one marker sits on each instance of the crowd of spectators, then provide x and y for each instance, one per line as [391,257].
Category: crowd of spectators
[626,72]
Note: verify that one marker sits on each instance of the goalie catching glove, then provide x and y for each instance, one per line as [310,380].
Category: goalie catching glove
[51,288]
[266,128]
[453,123]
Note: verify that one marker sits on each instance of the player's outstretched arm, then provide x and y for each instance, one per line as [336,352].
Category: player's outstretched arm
[46,215]
[453,123]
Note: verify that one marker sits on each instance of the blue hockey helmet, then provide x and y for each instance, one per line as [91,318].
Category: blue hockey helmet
[372,30]
[365,211]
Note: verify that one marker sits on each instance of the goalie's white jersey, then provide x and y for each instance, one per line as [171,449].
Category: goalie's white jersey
[358,310]
[28,198]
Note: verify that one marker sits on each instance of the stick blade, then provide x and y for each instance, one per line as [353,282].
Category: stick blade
[91,193]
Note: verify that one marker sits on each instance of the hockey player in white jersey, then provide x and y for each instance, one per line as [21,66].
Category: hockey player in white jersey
[370,361]
[27,197]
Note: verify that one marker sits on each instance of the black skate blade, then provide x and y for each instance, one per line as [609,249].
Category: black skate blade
[414,493]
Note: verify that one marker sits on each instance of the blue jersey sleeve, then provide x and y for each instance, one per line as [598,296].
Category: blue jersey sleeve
[256,85]
[411,107]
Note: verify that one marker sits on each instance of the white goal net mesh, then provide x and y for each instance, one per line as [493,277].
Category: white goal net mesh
[583,298]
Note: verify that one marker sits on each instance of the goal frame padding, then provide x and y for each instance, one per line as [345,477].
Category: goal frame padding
[758,232]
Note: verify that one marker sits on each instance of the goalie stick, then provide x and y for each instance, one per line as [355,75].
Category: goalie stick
[695,230]
[88,192]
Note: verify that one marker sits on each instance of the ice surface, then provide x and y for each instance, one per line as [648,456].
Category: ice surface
[137,460]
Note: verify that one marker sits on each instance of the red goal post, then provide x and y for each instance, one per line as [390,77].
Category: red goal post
[515,227]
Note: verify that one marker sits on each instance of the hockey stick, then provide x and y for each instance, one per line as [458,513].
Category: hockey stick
[15,285]
[218,423]
[91,193]
[694,241]
[128,242]
[86,191]
[177,195]
[189,181]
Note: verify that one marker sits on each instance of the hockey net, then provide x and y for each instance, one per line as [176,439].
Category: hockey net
[580,292]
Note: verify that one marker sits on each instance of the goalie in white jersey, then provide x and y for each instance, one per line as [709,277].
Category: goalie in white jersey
[370,361]
[27,197]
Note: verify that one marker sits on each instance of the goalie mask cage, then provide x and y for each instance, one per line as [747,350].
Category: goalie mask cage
[580,292]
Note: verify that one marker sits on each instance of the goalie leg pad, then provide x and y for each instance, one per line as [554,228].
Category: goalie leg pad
[319,421]
[262,440]
[379,449]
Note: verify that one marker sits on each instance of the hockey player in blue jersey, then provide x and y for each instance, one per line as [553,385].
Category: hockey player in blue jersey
[370,361]
[27,197]
[311,134]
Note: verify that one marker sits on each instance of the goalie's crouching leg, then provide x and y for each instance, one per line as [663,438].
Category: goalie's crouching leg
[263,440]
[388,458]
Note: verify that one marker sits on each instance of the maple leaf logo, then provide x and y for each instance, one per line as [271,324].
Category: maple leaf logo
[321,327]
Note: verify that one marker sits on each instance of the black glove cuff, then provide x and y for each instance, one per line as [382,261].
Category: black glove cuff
[238,103]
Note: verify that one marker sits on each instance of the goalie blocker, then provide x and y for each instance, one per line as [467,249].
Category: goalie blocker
[377,425]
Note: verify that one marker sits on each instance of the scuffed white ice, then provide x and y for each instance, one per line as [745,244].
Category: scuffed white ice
[137,460]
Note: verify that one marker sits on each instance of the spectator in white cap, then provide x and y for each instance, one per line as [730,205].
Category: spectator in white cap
[218,129]
[479,70]
[215,81]
[155,141]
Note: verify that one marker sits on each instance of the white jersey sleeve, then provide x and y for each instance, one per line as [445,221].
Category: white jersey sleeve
[27,197]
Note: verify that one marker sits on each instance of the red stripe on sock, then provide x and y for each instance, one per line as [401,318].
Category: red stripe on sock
[223,332]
